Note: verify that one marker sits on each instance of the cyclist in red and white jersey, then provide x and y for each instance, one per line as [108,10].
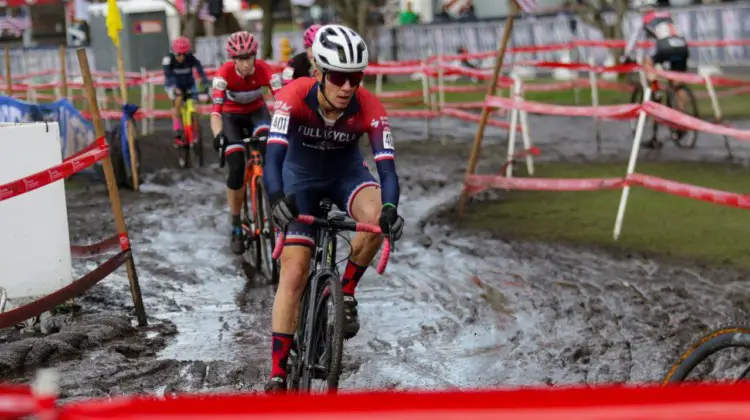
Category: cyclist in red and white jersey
[313,153]
[670,47]
[238,104]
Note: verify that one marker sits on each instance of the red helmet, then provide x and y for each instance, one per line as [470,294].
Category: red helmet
[181,45]
[309,35]
[241,43]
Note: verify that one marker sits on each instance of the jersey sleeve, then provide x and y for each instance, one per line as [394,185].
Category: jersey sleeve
[278,141]
[381,142]
[201,72]
[220,90]
[166,64]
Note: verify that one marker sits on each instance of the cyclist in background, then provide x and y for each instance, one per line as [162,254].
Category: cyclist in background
[313,153]
[179,81]
[301,65]
[670,47]
[238,103]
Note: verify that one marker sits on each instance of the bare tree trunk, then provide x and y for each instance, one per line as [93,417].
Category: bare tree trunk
[188,21]
[267,29]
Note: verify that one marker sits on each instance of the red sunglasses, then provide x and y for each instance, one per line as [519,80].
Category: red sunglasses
[339,78]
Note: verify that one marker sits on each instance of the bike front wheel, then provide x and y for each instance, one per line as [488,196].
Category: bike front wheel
[251,256]
[682,99]
[197,141]
[722,338]
[266,232]
[324,348]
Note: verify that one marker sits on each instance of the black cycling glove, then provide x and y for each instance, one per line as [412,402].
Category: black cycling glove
[284,209]
[220,141]
[390,222]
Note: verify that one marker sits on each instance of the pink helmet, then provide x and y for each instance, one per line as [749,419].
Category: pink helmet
[181,45]
[241,43]
[309,35]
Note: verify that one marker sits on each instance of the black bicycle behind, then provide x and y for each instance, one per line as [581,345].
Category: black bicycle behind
[319,339]
[725,337]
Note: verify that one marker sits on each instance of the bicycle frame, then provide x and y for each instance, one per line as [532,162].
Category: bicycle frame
[187,110]
[253,170]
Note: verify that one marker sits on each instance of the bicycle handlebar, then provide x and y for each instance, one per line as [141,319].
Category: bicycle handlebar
[347,225]
[246,141]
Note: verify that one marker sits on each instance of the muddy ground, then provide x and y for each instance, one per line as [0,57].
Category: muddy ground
[454,309]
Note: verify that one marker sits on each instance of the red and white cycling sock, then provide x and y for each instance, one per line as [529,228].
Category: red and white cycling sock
[281,344]
[352,274]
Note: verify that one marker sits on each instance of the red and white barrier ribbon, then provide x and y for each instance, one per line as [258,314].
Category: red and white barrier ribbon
[690,191]
[626,111]
[682,120]
[481,182]
[68,167]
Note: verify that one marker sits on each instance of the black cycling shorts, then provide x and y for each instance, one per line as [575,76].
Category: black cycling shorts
[676,56]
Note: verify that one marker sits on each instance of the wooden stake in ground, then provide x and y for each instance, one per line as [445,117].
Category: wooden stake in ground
[63,72]
[491,89]
[8,80]
[114,195]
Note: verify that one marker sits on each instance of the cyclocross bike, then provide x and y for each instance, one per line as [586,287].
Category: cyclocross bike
[191,132]
[669,91]
[725,337]
[319,339]
[257,225]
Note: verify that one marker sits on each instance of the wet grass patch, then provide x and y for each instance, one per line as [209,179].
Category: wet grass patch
[655,223]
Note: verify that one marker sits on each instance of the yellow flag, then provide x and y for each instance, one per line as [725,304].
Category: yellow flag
[114,22]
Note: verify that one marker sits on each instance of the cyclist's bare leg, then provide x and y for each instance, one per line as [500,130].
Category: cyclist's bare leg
[366,209]
[295,263]
[235,199]
[648,65]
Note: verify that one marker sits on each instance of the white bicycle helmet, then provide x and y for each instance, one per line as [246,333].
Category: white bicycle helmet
[338,48]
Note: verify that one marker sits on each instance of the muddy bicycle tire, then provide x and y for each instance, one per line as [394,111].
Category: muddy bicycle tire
[267,233]
[334,337]
[251,256]
[197,140]
[688,140]
[728,336]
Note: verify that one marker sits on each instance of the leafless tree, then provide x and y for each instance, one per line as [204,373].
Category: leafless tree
[353,13]
[189,20]
[267,29]
[605,15]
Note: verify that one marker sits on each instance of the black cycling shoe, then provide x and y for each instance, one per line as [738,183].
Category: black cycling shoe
[238,240]
[351,318]
[276,385]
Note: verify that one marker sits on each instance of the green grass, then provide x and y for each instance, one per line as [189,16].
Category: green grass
[733,107]
[654,222]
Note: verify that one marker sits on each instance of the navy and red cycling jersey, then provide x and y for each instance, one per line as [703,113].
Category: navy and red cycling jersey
[181,74]
[302,142]
[236,94]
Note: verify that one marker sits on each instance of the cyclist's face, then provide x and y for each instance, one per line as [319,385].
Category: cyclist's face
[340,87]
[179,57]
[245,65]
[309,54]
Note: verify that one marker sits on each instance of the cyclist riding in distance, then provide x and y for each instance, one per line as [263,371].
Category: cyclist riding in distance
[670,47]
[313,153]
[238,103]
[179,81]
[302,64]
